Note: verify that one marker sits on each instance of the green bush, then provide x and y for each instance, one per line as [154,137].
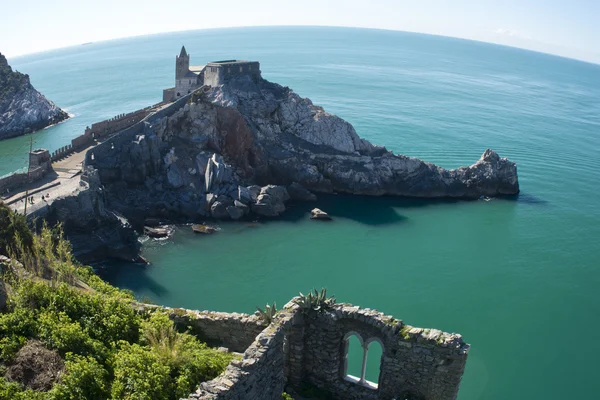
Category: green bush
[111,350]
[85,378]
[140,375]
[189,360]
[13,226]
[14,391]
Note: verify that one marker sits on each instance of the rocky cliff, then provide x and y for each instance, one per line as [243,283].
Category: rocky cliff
[22,108]
[247,147]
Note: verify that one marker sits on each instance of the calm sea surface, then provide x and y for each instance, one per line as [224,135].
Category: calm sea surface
[519,279]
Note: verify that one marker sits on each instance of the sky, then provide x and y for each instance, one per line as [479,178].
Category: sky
[570,28]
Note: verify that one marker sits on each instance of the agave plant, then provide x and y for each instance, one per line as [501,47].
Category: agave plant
[315,300]
[268,313]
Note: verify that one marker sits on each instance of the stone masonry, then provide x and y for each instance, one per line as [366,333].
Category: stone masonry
[301,347]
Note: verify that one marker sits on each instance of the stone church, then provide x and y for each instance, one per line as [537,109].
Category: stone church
[188,79]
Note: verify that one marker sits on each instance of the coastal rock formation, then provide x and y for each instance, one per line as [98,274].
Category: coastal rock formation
[94,231]
[22,108]
[245,148]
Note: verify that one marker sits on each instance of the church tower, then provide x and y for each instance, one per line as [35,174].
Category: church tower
[182,64]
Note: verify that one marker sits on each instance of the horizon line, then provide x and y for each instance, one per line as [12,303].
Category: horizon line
[302,26]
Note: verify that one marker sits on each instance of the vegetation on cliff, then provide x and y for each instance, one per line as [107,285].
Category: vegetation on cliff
[22,108]
[10,82]
[66,334]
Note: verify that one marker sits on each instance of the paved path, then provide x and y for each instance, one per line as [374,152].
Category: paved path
[63,181]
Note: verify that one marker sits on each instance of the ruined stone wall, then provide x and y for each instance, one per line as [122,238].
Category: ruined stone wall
[260,374]
[425,363]
[310,347]
[231,330]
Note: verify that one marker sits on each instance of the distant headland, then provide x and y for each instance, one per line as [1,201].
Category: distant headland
[22,108]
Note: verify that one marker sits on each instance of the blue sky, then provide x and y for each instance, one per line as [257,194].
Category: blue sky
[570,28]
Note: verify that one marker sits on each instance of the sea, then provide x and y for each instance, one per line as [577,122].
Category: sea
[518,278]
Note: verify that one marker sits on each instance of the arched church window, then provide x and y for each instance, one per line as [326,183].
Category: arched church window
[362,360]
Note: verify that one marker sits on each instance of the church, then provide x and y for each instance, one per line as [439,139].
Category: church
[188,79]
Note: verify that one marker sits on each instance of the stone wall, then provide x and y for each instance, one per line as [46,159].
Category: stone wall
[107,127]
[62,152]
[39,166]
[235,331]
[310,348]
[219,72]
[168,95]
[9,182]
[260,374]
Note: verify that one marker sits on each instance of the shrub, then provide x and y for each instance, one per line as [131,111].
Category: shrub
[140,375]
[189,360]
[111,350]
[85,379]
[13,226]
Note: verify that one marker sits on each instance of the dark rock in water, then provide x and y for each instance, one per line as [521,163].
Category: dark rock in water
[22,108]
[245,209]
[218,210]
[319,214]
[270,201]
[297,192]
[204,229]
[235,213]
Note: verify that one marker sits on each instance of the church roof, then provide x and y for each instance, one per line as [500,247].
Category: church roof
[183,52]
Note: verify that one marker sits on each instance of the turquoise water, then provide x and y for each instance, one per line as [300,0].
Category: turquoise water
[519,279]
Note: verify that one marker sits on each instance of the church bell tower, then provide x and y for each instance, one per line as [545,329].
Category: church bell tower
[182,64]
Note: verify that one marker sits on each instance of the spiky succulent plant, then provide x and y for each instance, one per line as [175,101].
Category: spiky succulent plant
[315,300]
[268,313]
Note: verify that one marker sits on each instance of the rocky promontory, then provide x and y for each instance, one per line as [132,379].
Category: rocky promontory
[246,148]
[22,108]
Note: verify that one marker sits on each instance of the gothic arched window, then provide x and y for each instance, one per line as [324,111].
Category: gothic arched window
[354,345]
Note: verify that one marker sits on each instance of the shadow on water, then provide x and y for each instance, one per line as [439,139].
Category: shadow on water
[131,276]
[528,198]
[366,210]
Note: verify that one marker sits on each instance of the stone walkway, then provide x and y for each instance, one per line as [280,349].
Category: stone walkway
[63,181]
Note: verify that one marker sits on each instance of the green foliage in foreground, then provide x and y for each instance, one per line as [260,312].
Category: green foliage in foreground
[110,350]
[13,226]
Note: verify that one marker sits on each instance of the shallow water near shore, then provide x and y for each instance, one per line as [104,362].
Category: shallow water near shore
[517,277]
